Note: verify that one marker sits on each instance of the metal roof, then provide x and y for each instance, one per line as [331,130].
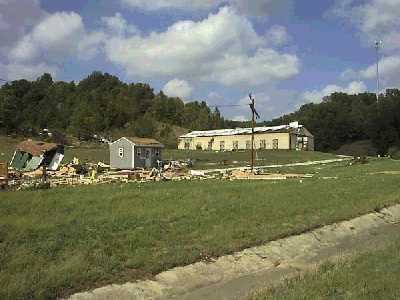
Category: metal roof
[238,131]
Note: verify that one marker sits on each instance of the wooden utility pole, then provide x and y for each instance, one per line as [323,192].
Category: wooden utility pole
[253,122]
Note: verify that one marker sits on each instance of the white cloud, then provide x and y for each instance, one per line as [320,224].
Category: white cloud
[175,4]
[118,25]
[15,71]
[50,43]
[15,17]
[278,35]
[317,96]
[222,48]
[214,98]
[89,46]
[253,7]
[349,74]
[178,88]
[266,65]
[375,19]
[54,37]
[261,7]
[389,69]
[263,103]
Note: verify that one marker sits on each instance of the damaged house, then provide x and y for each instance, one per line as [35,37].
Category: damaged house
[31,155]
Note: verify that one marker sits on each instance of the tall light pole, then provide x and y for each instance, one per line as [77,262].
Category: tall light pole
[378,45]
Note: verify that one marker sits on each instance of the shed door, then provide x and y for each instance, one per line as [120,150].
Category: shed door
[148,158]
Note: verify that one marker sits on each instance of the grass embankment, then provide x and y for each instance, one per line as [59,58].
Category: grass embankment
[63,240]
[93,152]
[373,275]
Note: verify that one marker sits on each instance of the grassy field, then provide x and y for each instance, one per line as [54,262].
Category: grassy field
[210,160]
[202,159]
[373,275]
[55,242]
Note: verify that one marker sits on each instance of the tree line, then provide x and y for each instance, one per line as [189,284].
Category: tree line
[341,119]
[99,104]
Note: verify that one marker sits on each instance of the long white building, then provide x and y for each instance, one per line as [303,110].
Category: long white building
[284,137]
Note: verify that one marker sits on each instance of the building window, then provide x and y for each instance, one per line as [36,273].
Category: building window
[187,146]
[138,152]
[222,146]
[248,145]
[210,144]
[121,152]
[157,152]
[199,146]
[235,145]
[275,144]
[263,145]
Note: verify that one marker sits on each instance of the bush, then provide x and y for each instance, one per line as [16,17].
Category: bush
[394,152]
[358,149]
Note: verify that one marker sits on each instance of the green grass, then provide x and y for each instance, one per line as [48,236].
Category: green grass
[90,152]
[210,160]
[7,147]
[373,275]
[55,242]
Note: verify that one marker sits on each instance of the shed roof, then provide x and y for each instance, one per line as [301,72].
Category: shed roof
[144,142]
[36,148]
[238,131]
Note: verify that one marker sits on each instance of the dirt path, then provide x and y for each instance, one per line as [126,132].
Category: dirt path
[234,276]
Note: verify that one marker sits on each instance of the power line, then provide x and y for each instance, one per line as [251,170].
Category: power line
[233,105]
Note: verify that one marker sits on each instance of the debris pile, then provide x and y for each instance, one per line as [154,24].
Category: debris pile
[37,165]
[258,175]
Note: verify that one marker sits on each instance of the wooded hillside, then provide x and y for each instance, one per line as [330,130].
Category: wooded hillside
[102,104]
[99,104]
[342,119]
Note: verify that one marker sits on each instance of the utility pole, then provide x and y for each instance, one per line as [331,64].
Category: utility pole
[378,45]
[253,123]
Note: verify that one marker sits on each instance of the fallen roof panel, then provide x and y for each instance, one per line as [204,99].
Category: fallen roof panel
[36,148]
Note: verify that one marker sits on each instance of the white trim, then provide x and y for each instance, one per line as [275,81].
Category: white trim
[123,138]
[132,143]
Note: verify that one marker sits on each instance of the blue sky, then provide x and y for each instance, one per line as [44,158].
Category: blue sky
[285,52]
